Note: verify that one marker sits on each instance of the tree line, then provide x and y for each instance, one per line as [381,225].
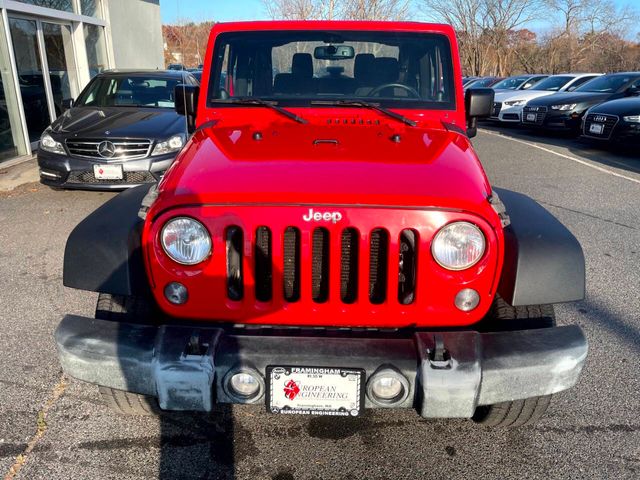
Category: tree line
[495,36]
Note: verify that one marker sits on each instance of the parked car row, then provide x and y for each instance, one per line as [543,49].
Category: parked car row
[596,106]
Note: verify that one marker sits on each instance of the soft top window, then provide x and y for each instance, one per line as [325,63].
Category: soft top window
[404,70]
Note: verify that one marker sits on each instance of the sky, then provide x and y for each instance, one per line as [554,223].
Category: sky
[231,10]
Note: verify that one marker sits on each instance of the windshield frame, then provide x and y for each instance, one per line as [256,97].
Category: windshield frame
[408,103]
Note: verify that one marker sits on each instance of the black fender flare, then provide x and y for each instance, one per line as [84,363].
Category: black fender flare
[103,252]
[543,261]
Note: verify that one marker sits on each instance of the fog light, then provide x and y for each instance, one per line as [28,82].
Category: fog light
[176,293]
[243,384]
[387,387]
[467,299]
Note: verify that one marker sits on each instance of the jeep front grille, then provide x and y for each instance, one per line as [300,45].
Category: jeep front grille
[320,265]
[124,149]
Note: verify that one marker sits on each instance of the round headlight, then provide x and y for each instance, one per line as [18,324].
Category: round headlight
[186,240]
[458,246]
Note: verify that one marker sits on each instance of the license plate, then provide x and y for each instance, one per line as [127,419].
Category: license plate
[531,117]
[315,390]
[596,128]
[108,172]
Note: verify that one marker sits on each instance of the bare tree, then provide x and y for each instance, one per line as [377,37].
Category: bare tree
[294,9]
[376,9]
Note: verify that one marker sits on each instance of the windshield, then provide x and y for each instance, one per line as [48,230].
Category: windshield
[129,91]
[406,70]
[511,83]
[552,84]
[605,84]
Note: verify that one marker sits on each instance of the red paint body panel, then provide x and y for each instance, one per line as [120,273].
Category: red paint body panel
[225,177]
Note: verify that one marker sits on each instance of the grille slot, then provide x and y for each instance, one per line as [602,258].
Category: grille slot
[349,265]
[320,265]
[291,267]
[124,149]
[263,265]
[609,122]
[378,258]
[407,267]
[235,281]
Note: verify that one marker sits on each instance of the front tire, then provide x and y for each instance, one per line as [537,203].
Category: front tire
[517,413]
[118,308]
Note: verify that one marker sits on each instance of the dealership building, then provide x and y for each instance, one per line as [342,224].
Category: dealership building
[50,50]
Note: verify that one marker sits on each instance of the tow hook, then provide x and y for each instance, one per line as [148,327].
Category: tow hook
[439,356]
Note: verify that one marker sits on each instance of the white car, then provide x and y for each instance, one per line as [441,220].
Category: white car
[508,105]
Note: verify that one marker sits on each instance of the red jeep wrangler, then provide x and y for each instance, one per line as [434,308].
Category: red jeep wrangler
[326,242]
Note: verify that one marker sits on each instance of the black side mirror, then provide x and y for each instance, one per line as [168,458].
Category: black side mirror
[186,103]
[478,103]
[67,103]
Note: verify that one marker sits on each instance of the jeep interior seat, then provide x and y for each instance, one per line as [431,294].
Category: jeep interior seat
[385,70]
[335,82]
[300,80]
[363,72]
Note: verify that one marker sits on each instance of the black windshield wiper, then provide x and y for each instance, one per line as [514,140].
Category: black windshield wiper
[264,103]
[363,104]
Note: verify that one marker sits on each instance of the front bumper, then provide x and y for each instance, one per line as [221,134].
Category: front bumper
[64,171]
[449,373]
[554,120]
[509,114]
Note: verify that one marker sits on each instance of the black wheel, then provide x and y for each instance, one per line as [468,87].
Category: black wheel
[127,403]
[504,317]
[119,308]
[518,413]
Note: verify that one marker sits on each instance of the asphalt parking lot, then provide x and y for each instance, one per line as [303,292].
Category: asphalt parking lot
[55,428]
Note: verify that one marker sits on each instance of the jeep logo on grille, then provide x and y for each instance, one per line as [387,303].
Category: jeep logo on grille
[333,217]
[600,118]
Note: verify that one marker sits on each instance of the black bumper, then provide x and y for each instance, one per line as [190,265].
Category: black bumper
[555,120]
[476,368]
[63,171]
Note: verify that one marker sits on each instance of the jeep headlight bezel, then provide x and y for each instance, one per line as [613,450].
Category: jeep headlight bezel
[186,241]
[458,246]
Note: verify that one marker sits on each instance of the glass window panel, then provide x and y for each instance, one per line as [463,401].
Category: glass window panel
[96,49]
[12,141]
[60,58]
[90,8]
[30,76]
[66,5]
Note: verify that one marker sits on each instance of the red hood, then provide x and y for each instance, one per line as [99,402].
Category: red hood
[325,162]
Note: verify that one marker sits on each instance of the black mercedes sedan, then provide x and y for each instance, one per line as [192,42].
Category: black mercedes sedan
[564,111]
[120,132]
[617,121]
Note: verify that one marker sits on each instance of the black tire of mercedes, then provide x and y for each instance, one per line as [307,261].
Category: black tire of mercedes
[528,411]
[132,310]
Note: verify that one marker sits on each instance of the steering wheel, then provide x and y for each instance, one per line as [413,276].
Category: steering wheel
[376,91]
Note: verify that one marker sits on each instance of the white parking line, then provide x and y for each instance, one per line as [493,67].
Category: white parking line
[568,157]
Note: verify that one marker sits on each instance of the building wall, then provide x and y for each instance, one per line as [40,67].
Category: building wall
[136,33]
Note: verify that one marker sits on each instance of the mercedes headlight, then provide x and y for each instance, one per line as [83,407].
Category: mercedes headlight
[174,144]
[458,246]
[48,144]
[632,119]
[564,107]
[186,241]
[515,103]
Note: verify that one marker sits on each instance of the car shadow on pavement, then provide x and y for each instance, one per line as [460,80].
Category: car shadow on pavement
[615,156]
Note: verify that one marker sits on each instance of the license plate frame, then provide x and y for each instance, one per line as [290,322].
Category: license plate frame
[319,383]
[596,128]
[108,172]
[531,117]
